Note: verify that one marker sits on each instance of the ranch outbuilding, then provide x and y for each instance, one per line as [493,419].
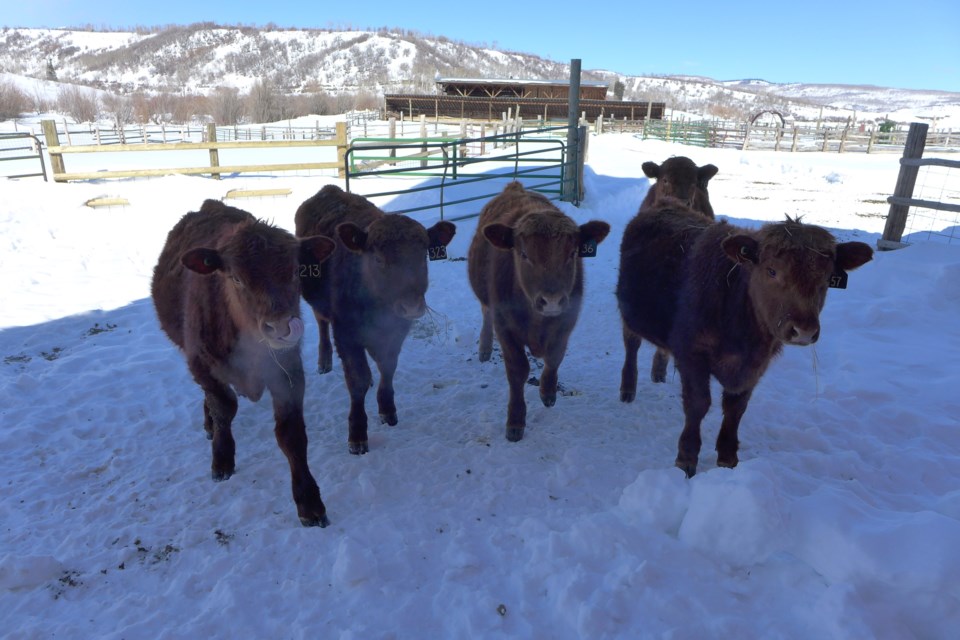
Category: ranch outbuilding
[488,99]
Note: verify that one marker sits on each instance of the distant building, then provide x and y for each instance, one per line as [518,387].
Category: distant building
[489,98]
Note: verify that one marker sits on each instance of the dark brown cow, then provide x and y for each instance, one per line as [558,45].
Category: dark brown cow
[678,177]
[525,268]
[724,301]
[370,291]
[227,292]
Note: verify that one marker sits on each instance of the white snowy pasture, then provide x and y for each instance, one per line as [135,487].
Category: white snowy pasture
[841,521]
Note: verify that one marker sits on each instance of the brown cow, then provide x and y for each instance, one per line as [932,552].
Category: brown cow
[525,268]
[227,292]
[678,177]
[370,291]
[724,300]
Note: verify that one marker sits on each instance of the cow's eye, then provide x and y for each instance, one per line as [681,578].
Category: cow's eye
[772,273]
[237,281]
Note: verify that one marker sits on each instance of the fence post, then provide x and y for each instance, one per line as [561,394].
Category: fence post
[873,139]
[392,134]
[423,134]
[746,138]
[826,139]
[843,140]
[796,135]
[214,152]
[53,141]
[897,218]
[341,136]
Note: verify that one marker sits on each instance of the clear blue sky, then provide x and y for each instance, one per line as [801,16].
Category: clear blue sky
[908,45]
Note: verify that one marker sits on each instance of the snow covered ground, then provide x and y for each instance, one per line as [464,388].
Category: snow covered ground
[842,520]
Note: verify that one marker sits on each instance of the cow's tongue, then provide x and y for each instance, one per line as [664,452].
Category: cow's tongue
[296,330]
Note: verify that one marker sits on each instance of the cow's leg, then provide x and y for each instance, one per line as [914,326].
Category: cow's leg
[696,402]
[386,358]
[658,370]
[219,407]
[734,405]
[286,390]
[325,349]
[486,334]
[207,420]
[356,373]
[552,359]
[628,375]
[518,370]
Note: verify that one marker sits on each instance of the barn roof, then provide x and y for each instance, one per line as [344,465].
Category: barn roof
[499,81]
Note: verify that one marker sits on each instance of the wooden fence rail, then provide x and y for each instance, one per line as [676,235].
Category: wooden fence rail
[215,169]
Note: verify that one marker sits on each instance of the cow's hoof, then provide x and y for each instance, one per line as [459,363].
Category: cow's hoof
[627,396]
[728,463]
[515,434]
[219,475]
[658,377]
[549,401]
[689,468]
[485,355]
[316,521]
[358,448]
[324,368]
[389,418]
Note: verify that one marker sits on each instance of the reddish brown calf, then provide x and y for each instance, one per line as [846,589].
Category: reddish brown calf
[227,292]
[724,300]
[681,179]
[370,292]
[525,268]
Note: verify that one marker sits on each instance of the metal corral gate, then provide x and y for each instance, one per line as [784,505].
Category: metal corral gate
[537,157]
[21,148]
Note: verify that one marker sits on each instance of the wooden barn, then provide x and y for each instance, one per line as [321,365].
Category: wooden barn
[488,99]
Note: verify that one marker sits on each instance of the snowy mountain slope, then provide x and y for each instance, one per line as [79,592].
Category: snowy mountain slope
[201,57]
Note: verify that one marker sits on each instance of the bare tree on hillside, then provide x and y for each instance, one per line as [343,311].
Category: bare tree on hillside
[226,107]
[120,107]
[13,101]
[81,104]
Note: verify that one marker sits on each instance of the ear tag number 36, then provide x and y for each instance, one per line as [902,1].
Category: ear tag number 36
[588,249]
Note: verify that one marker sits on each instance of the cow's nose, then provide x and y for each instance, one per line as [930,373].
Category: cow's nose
[411,309]
[803,335]
[289,329]
[551,304]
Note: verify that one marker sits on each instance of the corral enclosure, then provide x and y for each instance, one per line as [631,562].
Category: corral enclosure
[584,529]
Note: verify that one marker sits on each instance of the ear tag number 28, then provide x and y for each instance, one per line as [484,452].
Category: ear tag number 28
[588,249]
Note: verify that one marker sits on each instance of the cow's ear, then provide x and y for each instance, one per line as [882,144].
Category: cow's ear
[353,237]
[441,233]
[316,249]
[741,249]
[595,230]
[651,169]
[851,255]
[203,261]
[499,235]
[704,174]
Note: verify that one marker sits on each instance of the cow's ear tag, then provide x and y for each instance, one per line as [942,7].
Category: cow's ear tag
[438,252]
[588,249]
[838,280]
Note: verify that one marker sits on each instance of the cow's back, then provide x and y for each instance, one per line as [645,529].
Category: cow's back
[653,256]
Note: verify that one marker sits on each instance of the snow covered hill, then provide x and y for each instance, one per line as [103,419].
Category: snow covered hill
[201,57]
